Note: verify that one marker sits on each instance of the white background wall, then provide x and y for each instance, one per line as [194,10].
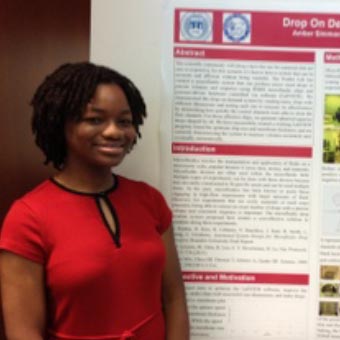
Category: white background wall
[126,36]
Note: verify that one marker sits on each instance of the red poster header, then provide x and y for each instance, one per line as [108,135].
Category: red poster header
[241,150]
[246,278]
[284,56]
[332,57]
[255,28]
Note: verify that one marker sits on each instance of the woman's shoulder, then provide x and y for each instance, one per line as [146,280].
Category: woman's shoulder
[36,199]
[23,229]
[141,191]
[137,186]
[148,197]
[42,191]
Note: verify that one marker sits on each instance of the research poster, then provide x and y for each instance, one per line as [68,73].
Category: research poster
[250,132]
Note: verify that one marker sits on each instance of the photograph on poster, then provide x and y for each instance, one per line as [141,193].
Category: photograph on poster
[331,140]
[331,145]
[328,308]
[329,290]
[330,272]
[332,110]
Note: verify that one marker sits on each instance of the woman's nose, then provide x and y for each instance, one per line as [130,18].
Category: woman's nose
[112,130]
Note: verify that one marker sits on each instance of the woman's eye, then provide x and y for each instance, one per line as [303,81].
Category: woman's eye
[125,122]
[94,120]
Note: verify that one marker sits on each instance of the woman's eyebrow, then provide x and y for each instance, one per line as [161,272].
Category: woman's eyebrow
[100,110]
[97,109]
[126,111]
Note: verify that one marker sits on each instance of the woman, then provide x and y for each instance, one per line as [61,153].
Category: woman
[88,254]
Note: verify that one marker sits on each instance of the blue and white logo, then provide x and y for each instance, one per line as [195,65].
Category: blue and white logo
[236,28]
[196,26]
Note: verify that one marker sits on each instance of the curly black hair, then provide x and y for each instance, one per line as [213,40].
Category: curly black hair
[63,96]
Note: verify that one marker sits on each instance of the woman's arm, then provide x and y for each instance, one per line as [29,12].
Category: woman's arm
[23,297]
[174,303]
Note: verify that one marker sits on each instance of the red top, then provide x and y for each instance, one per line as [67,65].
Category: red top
[100,285]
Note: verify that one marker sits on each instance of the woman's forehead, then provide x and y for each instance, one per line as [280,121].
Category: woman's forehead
[108,92]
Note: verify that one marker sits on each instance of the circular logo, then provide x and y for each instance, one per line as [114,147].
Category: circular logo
[196,26]
[236,27]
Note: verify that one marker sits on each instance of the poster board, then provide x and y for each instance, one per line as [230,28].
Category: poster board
[253,171]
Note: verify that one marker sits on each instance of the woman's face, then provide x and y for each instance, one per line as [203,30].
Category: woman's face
[105,133]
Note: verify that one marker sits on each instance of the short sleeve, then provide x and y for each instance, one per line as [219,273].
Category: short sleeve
[21,233]
[163,211]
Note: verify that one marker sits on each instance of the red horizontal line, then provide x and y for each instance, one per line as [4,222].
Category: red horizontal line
[242,150]
[246,278]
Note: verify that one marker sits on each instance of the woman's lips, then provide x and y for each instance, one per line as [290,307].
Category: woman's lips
[108,148]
